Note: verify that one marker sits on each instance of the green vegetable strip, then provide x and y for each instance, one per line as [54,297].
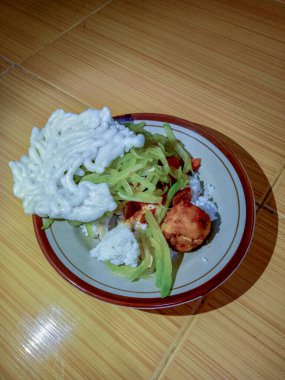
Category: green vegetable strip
[178,148]
[155,180]
[89,230]
[137,128]
[161,156]
[136,154]
[95,178]
[158,261]
[172,191]
[113,180]
[144,183]
[120,161]
[164,264]
[160,213]
[121,270]
[179,185]
[166,283]
[127,187]
[146,262]
[74,223]
[158,192]
[47,223]
[138,197]
[149,270]
[150,177]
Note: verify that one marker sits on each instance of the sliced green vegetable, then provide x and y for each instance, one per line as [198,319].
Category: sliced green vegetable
[179,149]
[120,270]
[162,254]
[114,179]
[137,128]
[146,262]
[138,197]
[158,256]
[74,223]
[161,211]
[142,182]
[95,178]
[89,230]
[179,185]
[127,187]
[47,223]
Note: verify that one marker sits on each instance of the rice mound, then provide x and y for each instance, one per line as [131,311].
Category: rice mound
[202,196]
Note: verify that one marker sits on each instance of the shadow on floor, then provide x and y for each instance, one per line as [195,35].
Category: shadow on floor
[259,254]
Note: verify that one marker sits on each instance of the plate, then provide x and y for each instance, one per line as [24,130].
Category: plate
[195,274]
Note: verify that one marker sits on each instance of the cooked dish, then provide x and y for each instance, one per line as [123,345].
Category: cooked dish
[134,194]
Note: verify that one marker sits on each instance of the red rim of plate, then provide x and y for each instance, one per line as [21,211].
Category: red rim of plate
[178,299]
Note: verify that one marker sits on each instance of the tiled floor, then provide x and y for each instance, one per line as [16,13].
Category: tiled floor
[219,63]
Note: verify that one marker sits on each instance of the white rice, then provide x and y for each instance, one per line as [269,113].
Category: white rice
[202,196]
[119,246]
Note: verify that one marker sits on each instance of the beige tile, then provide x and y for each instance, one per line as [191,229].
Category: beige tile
[276,200]
[239,332]
[175,58]
[27,25]
[52,330]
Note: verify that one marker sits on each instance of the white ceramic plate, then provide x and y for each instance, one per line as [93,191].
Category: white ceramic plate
[195,273]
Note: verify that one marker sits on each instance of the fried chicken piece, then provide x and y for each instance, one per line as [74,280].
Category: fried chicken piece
[182,196]
[186,226]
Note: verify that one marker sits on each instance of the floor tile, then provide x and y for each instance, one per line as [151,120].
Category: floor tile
[27,25]
[219,63]
[245,312]
[131,68]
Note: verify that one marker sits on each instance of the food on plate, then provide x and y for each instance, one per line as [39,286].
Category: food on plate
[186,226]
[133,193]
[119,239]
[182,196]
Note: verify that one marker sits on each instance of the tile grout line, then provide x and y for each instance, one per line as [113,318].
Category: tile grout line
[65,31]
[9,62]
[32,75]
[177,342]
[270,190]
[6,71]
[272,211]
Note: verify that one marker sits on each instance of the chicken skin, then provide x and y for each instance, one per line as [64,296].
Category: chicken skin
[186,226]
[182,196]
